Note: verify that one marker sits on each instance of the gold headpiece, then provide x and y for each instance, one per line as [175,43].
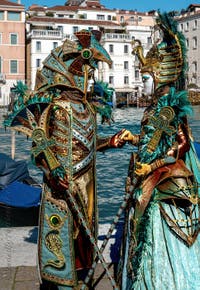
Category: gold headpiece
[164,61]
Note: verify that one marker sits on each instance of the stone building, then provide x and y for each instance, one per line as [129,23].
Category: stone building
[47,27]
[12,47]
[189,25]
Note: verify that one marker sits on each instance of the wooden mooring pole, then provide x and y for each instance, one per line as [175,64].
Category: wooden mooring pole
[13,144]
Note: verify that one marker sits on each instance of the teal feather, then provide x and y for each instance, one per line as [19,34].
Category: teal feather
[102,100]
[144,248]
[20,89]
[178,101]
[59,172]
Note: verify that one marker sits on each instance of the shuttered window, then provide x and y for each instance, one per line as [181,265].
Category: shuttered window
[13,66]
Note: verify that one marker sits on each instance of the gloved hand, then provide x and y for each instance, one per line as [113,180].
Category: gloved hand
[142,169]
[127,136]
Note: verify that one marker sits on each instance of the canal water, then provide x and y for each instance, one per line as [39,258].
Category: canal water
[112,165]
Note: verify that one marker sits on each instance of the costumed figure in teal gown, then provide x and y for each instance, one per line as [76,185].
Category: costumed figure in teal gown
[161,244]
[60,118]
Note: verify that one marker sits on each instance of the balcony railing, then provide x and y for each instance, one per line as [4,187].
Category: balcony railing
[116,36]
[46,33]
[70,37]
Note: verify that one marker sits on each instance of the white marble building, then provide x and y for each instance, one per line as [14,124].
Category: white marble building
[48,27]
[189,25]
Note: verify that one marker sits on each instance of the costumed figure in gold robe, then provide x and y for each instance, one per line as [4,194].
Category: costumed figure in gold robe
[60,117]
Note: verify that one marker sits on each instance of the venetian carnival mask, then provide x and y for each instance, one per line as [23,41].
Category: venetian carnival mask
[165,61]
[90,86]
[148,84]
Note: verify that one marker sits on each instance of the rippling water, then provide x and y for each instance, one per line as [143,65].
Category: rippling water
[111,166]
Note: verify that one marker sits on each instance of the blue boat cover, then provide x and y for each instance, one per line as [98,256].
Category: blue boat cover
[18,194]
[197,148]
[11,170]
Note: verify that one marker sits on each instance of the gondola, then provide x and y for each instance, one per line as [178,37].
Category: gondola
[197,148]
[19,194]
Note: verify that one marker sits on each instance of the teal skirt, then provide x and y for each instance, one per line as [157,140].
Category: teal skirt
[162,261]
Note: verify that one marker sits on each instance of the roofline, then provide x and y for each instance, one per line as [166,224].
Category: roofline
[76,8]
[73,21]
[11,4]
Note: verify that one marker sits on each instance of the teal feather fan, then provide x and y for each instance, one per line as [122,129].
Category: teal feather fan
[20,89]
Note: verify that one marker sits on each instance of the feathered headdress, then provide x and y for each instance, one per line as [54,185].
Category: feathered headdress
[165,61]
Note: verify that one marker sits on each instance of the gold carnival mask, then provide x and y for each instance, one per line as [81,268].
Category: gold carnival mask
[164,61]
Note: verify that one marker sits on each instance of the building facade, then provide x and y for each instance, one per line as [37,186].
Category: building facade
[25,43]
[189,25]
[48,27]
[12,48]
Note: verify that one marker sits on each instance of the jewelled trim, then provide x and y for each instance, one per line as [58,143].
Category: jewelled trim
[83,139]
[157,164]
[188,239]
[83,162]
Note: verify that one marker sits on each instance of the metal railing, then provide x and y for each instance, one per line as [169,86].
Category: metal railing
[116,36]
[46,33]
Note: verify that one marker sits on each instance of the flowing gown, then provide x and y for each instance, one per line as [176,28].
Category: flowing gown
[161,245]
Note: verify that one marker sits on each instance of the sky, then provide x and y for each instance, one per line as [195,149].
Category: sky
[139,5]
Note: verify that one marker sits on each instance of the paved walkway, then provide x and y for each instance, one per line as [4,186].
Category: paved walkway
[19,278]
[26,278]
[18,251]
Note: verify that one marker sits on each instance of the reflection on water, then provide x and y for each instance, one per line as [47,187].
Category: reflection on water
[111,166]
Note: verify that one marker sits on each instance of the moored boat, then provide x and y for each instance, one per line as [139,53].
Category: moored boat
[19,194]
[197,148]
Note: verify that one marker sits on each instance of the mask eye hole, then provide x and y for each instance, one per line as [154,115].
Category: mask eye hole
[145,78]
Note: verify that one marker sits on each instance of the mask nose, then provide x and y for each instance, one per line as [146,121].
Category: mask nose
[90,85]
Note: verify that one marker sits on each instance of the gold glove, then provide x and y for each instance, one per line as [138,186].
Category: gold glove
[142,169]
[128,136]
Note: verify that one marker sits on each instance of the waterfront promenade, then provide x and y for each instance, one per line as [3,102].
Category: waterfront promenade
[18,262]
[19,278]
[26,278]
